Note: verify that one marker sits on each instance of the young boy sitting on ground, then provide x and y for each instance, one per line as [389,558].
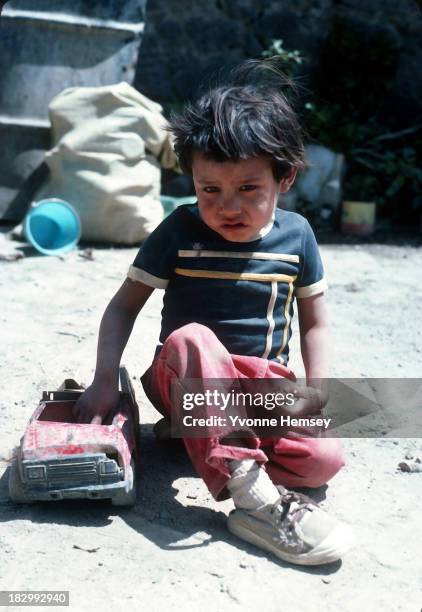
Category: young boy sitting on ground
[231,266]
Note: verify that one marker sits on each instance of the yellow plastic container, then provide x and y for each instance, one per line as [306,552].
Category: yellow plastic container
[358,218]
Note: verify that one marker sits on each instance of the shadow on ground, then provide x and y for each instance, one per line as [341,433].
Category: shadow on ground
[157,515]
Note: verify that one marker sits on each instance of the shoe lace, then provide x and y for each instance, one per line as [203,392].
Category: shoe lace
[290,509]
[292,503]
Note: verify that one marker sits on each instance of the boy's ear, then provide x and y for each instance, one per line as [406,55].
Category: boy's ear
[287,181]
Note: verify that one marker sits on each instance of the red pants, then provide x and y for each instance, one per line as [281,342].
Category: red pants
[193,351]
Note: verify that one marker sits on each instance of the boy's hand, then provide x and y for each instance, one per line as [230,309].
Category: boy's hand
[96,403]
[308,400]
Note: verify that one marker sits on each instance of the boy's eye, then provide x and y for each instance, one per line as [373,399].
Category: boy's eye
[210,189]
[247,187]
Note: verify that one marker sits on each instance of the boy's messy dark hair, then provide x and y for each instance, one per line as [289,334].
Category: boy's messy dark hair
[244,118]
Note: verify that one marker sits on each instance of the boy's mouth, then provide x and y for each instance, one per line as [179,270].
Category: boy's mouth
[233,225]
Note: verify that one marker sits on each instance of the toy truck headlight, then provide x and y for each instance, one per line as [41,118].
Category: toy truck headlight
[108,467]
[35,472]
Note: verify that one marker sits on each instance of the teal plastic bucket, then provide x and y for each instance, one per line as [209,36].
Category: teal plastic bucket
[170,203]
[52,226]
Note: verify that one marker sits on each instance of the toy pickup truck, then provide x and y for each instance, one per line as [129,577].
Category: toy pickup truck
[61,459]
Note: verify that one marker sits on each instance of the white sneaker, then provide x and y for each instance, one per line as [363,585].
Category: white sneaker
[294,529]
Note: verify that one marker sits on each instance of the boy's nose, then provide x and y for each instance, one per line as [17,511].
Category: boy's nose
[231,207]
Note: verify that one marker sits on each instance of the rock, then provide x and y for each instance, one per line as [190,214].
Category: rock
[411,466]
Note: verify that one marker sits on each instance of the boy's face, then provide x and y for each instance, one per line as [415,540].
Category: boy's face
[237,198]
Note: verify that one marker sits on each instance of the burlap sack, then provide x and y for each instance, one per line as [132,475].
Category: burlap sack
[108,146]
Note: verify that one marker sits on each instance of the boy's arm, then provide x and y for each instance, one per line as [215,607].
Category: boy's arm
[115,329]
[314,343]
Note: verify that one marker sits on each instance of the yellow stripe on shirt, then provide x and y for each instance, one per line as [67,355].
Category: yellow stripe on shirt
[246,276]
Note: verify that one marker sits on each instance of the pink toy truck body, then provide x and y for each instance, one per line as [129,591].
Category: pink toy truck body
[61,459]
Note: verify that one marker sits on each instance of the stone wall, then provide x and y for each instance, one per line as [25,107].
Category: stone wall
[187,41]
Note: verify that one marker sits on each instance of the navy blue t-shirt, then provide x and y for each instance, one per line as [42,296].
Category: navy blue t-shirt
[242,291]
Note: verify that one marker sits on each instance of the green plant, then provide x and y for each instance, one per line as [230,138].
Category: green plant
[288,60]
[381,163]
[398,167]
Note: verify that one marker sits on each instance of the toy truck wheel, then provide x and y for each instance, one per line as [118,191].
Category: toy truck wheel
[127,498]
[16,490]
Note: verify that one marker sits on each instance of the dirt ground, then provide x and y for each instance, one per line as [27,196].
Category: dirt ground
[172,551]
